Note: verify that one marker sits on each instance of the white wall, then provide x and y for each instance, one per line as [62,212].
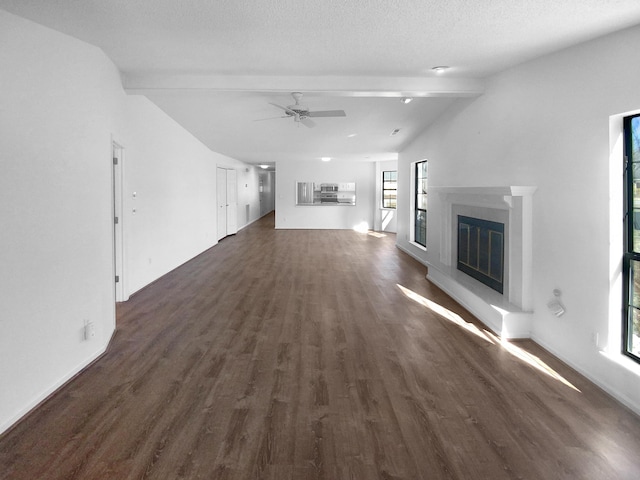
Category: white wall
[288,215]
[173,176]
[174,180]
[61,103]
[546,123]
[248,194]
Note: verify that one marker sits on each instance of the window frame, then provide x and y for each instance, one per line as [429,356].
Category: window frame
[416,209]
[629,254]
[394,190]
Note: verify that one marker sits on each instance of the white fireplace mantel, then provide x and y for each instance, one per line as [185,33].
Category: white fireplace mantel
[508,314]
[507,191]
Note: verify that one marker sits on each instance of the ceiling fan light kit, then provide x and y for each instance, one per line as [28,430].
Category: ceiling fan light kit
[302,114]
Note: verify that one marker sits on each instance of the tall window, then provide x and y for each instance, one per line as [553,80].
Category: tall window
[631,327]
[389,189]
[420,223]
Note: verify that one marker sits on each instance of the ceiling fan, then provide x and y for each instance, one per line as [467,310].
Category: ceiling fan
[302,114]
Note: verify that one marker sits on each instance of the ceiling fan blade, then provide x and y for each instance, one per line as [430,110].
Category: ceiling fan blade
[288,110]
[327,113]
[307,122]
[270,118]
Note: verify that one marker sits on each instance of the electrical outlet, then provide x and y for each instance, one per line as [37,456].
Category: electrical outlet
[89,330]
[595,339]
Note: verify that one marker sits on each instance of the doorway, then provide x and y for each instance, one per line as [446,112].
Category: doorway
[227,202]
[266,189]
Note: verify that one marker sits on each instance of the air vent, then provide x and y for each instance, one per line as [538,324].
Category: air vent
[395,132]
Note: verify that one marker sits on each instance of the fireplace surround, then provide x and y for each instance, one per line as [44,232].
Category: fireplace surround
[508,314]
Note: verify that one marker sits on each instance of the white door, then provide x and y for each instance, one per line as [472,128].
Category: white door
[232,203]
[221,196]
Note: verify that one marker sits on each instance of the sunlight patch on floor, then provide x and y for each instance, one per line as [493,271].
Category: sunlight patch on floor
[362,227]
[490,337]
[444,312]
[531,360]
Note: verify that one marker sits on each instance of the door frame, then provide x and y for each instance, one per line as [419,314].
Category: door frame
[117,181]
[232,201]
[221,205]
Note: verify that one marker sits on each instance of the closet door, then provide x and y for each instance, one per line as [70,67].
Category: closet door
[232,203]
[221,197]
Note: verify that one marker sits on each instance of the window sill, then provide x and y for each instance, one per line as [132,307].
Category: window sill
[417,245]
[623,361]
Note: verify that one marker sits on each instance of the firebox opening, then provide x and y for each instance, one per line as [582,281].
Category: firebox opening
[481,250]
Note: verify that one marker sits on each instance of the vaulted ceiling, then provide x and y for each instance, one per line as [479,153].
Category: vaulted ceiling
[216,66]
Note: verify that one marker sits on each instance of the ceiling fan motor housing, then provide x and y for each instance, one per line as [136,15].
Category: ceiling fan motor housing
[300,110]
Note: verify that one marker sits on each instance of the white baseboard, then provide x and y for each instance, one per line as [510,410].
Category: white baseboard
[633,405]
[45,394]
[411,254]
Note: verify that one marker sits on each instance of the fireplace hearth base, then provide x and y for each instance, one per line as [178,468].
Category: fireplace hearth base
[504,319]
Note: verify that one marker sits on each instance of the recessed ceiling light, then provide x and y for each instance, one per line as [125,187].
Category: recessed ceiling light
[440,68]
[406,99]
[264,166]
[326,159]
[351,135]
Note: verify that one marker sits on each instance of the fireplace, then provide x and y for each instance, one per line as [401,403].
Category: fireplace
[481,250]
[505,223]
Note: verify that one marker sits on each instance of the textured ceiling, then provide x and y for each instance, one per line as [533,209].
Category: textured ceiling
[215,65]
[213,116]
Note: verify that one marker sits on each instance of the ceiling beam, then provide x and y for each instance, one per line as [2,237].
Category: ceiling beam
[360,86]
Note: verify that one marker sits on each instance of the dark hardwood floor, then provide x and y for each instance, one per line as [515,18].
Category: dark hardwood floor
[317,355]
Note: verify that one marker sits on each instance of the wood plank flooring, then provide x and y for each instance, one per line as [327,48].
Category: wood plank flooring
[295,355]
